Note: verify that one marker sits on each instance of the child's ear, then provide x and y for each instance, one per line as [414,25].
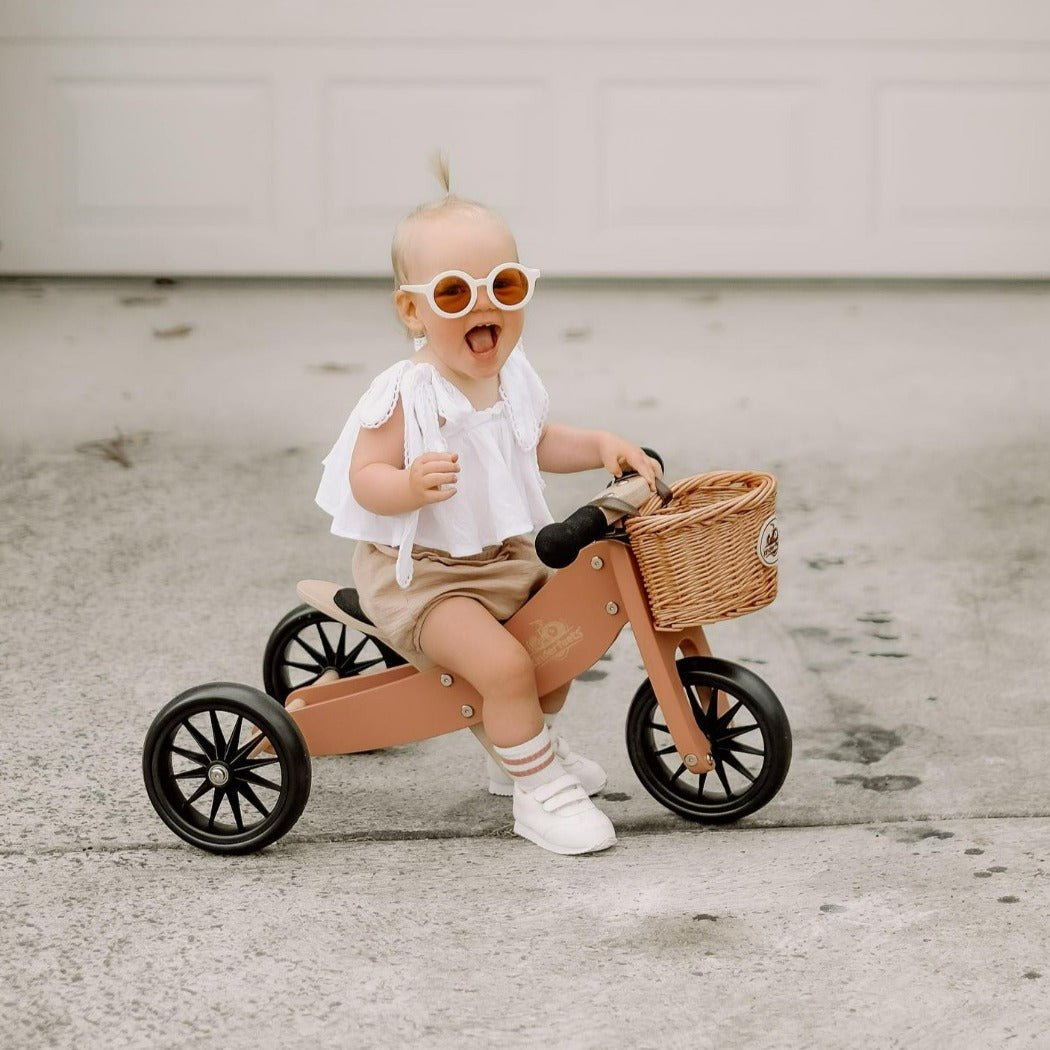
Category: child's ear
[406,310]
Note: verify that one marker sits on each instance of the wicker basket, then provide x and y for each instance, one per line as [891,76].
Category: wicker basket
[711,553]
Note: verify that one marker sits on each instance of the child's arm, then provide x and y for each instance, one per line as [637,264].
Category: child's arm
[382,485]
[565,450]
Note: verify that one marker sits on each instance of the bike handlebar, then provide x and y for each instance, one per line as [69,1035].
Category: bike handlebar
[558,544]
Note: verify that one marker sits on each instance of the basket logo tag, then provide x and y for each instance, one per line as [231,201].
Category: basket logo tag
[552,640]
[769,541]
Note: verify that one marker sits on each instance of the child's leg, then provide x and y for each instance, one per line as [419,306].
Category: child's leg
[554,701]
[591,776]
[551,703]
[461,635]
[551,808]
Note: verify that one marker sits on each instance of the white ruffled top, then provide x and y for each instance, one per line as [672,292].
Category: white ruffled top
[499,492]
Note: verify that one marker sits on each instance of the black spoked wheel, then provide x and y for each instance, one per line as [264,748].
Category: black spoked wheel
[307,644]
[225,768]
[750,742]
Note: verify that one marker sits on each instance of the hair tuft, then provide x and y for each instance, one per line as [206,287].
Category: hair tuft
[440,166]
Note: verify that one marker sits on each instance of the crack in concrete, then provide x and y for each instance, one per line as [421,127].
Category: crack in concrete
[641,827]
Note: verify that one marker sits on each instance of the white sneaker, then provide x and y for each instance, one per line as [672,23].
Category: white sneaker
[590,774]
[560,817]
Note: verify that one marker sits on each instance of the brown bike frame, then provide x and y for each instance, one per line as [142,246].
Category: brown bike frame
[566,626]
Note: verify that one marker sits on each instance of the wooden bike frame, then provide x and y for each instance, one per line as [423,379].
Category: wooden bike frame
[566,626]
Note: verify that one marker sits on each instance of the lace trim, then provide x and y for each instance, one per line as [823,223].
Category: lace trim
[406,453]
[371,422]
[544,409]
[528,441]
[539,473]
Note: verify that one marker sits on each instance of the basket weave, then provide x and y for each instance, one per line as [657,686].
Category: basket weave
[699,555]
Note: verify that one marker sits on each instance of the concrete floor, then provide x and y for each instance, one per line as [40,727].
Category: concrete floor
[894,893]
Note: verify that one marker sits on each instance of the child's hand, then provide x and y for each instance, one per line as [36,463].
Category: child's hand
[617,453]
[429,472]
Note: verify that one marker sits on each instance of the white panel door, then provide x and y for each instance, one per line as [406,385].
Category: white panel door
[672,138]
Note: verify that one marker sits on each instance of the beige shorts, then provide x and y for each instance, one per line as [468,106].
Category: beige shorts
[502,577]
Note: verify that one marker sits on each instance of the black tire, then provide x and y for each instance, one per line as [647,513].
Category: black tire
[306,643]
[750,743]
[204,739]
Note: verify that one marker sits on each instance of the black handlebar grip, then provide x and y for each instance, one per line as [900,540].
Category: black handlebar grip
[654,455]
[558,544]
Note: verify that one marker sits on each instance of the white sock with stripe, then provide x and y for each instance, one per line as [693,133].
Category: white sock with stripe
[532,763]
[549,721]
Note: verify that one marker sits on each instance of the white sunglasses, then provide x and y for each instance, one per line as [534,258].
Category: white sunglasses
[454,293]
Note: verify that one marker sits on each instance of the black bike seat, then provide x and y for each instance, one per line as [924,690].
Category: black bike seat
[346,599]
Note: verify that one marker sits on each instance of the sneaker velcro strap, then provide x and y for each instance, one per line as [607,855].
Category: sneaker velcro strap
[563,798]
[568,786]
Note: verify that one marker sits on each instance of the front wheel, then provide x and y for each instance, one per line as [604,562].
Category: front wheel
[226,768]
[750,743]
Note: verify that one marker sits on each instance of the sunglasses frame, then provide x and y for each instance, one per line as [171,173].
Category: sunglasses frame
[474,283]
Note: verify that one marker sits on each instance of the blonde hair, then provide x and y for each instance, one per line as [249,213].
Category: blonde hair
[439,164]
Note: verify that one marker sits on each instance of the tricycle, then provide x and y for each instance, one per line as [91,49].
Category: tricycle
[228,767]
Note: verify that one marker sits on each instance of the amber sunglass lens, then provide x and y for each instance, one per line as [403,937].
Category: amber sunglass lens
[510,287]
[452,294]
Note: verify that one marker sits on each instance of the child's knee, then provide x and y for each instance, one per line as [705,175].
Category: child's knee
[502,666]
[515,670]
[463,635]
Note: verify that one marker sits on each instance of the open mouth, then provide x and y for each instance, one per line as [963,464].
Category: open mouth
[482,338]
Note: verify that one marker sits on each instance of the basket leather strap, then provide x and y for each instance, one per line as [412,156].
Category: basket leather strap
[621,508]
[613,503]
[664,491]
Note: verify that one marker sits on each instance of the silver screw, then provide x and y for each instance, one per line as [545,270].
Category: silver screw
[596,562]
[446,679]
[468,711]
[612,608]
[690,760]
[710,760]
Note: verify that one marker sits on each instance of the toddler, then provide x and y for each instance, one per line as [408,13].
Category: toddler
[437,476]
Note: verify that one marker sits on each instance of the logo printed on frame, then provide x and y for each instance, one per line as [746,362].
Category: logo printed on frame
[551,640]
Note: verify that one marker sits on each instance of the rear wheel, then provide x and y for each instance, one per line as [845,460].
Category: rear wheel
[225,768]
[307,646]
[750,743]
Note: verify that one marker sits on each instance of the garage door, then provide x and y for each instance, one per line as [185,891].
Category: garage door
[679,138]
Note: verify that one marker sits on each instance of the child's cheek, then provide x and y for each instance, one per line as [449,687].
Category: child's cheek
[444,331]
[512,329]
